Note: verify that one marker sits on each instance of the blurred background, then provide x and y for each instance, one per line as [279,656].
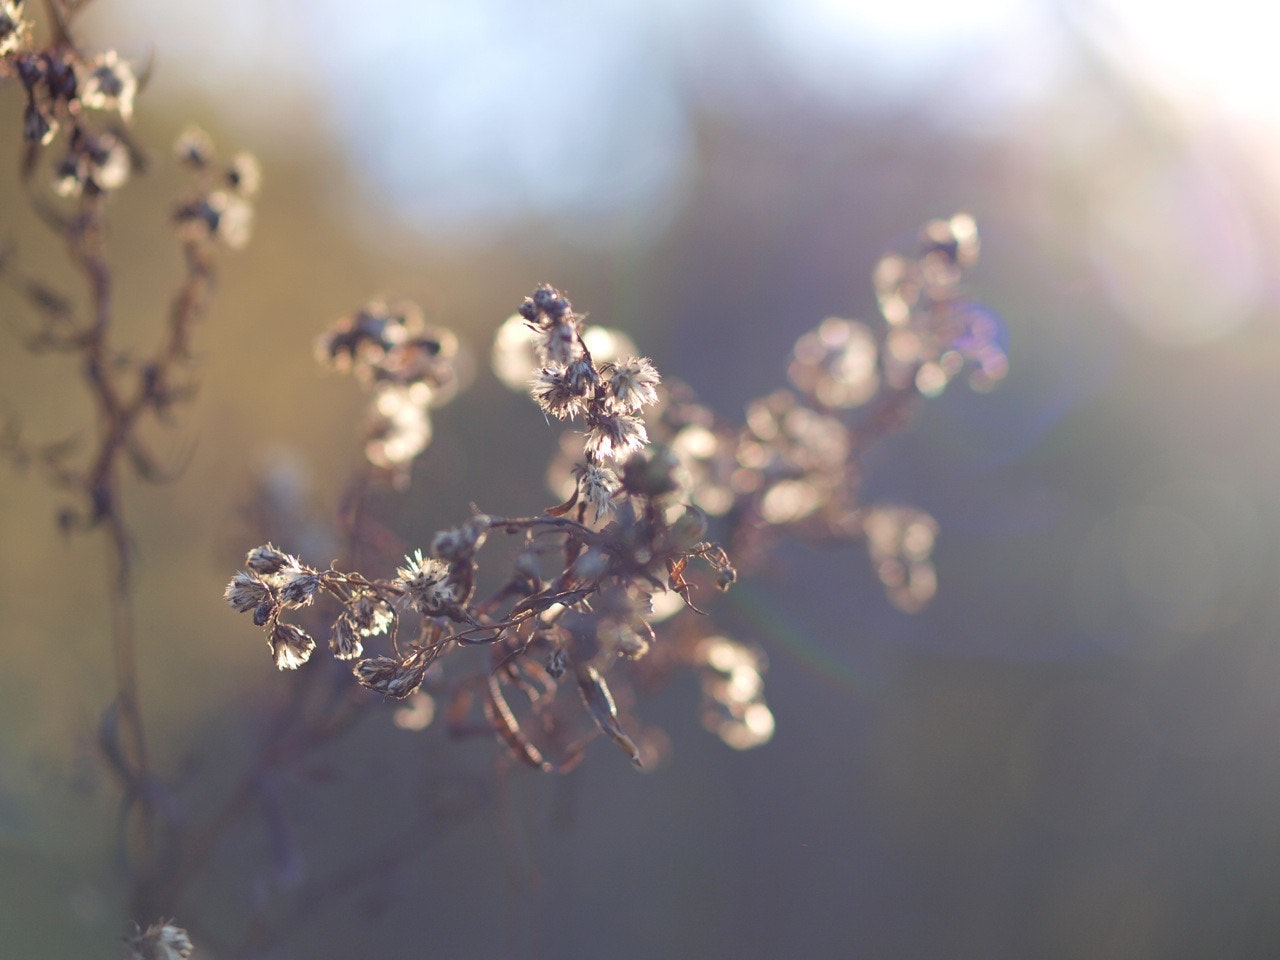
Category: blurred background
[1070,753]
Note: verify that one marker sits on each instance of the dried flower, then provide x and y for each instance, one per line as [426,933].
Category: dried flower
[93,164]
[598,485]
[553,391]
[594,574]
[462,542]
[388,676]
[37,125]
[297,585]
[193,148]
[291,646]
[633,384]
[229,218]
[13,29]
[614,436]
[345,643]
[244,174]
[110,85]
[160,941]
[425,582]
[267,559]
[370,616]
[245,591]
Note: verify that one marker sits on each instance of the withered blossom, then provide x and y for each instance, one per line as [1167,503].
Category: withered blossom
[229,218]
[297,585]
[160,941]
[291,646]
[633,384]
[344,642]
[562,344]
[219,209]
[244,174]
[267,559]
[614,436]
[598,485]
[551,390]
[60,76]
[37,125]
[408,366]
[388,676]
[461,543]
[93,164]
[193,148]
[13,29]
[426,584]
[631,546]
[245,591]
[370,616]
[110,84]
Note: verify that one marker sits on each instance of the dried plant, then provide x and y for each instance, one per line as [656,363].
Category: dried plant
[78,109]
[659,492]
[609,592]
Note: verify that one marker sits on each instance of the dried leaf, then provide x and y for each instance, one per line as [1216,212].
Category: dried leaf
[508,728]
[599,701]
[561,509]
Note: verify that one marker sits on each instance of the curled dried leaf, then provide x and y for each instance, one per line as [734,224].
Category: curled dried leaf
[508,728]
[599,701]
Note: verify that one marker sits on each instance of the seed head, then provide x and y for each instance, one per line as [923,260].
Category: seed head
[110,85]
[297,585]
[245,591]
[598,485]
[388,676]
[615,436]
[633,384]
[370,616]
[290,645]
[345,642]
[267,559]
[160,941]
[552,390]
[425,582]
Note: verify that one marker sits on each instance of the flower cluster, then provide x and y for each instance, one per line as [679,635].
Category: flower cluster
[273,582]
[593,581]
[580,593]
[220,206]
[608,396]
[409,367]
[88,97]
[795,465]
[933,335]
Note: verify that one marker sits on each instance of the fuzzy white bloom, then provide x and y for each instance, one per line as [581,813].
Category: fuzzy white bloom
[388,676]
[556,394]
[598,486]
[110,85]
[244,592]
[290,645]
[633,384]
[425,582]
[233,216]
[160,941]
[615,437]
[345,643]
[560,343]
[245,174]
[370,616]
[297,585]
